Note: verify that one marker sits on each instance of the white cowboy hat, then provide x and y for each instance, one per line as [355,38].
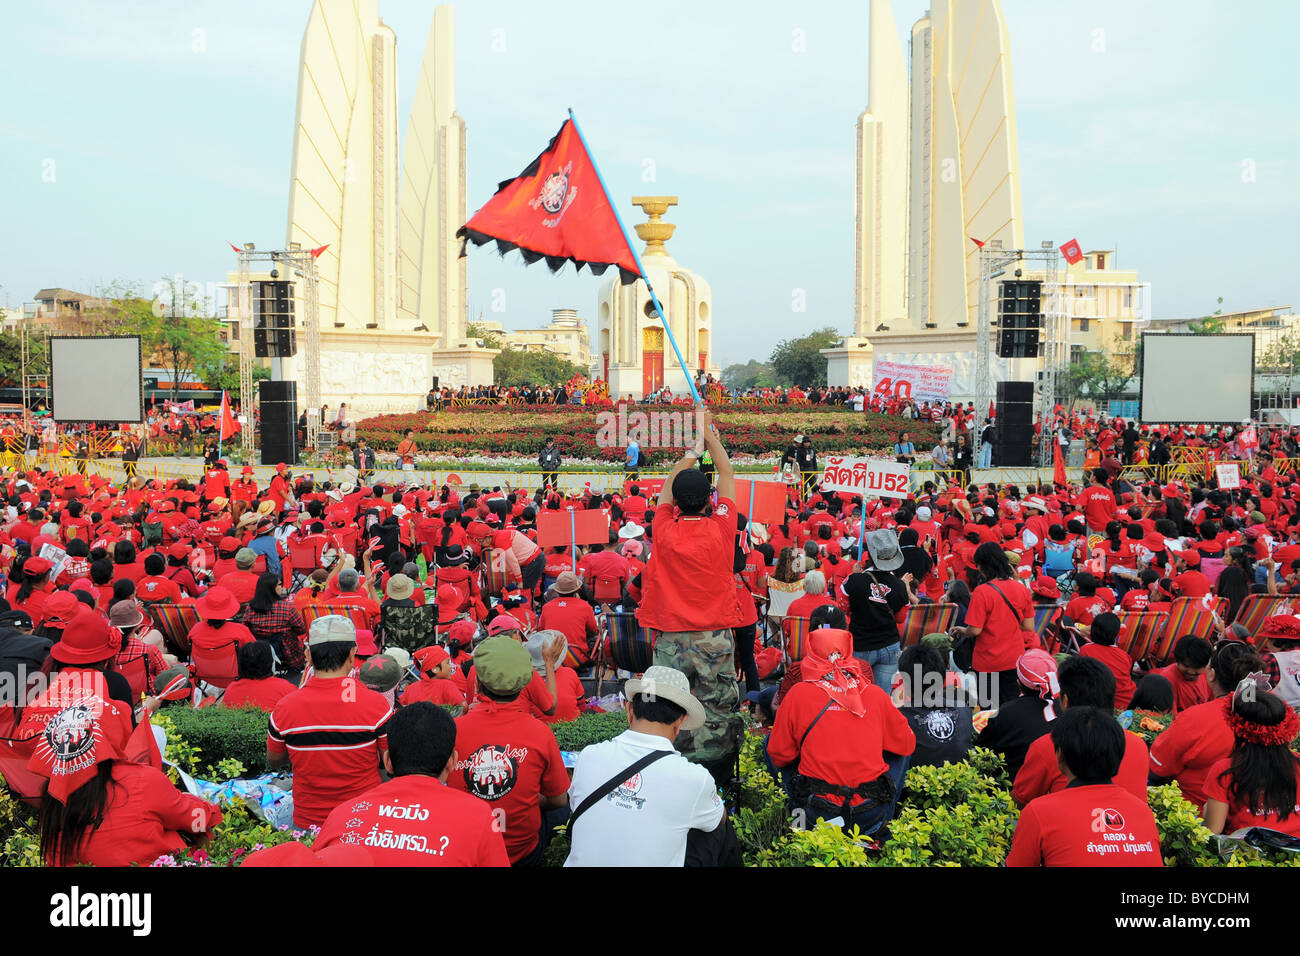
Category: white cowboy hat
[671,685]
[631,530]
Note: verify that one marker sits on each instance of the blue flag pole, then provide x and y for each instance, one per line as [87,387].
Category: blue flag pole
[221,425]
[573,539]
[654,299]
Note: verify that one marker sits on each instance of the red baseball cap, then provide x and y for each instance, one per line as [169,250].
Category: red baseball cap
[430,657]
[1192,558]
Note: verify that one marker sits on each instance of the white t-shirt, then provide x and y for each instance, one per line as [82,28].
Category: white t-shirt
[643,822]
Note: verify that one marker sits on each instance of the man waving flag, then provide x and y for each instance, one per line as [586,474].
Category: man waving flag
[558,209]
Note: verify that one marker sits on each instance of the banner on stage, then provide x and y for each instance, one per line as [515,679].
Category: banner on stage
[1228,474]
[867,476]
[924,383]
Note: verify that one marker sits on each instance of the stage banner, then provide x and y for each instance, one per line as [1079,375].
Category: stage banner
[867,476]
[924,383]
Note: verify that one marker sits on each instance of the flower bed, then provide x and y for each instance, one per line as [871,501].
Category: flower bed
[577,430]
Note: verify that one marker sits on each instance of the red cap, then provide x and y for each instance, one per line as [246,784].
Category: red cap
[1192,558]
[179,550]
[462,632]
[36,566]
[428,658]
[229,543]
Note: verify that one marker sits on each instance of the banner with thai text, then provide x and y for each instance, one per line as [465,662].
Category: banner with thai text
[867,476]
[923,383]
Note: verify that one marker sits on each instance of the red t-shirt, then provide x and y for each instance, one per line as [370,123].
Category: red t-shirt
[1186,693]
[1098,507]
[1082,610]
[264,693]
[1092,825]
[439,690]
[1135,600]
[1041,774]
[1120,664]
[143,819]
[151,588]
[1240,816]
[206,637]
[1001,640]
[687,584]
[417,820]
[507,758]
[334,730]
[569,695]
[1197,739]
[572,617]
[841,748]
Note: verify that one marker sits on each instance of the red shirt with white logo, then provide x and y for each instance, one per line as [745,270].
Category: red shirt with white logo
[508,758]
[416,820]
[333,730]
[1086,825]
[1040,773]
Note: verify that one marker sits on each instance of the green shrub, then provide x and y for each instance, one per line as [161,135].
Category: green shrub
[219,735]
[590,728]
[824,845]
[20,841]
[761,817]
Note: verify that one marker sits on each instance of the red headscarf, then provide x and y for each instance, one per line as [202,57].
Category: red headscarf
[74,726]
[829,663]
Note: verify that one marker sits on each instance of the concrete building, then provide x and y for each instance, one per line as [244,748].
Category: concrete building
[389,322]
[566,336]
[937,165]
[633,354]
[1108,308]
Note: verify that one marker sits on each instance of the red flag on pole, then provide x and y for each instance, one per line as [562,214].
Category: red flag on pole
[228,424]
[1071,251]
[977,242]
[1058,460]
[235,247]
[556,210]
[315,253]
[993,410]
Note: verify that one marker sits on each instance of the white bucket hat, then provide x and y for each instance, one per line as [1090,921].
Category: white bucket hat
[671,685]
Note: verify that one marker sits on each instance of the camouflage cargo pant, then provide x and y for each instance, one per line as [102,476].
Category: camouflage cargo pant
[707,659]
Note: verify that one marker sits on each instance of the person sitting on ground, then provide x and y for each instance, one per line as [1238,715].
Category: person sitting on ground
[1279,643]
[509,758]
[341,766]
[841,734]
[647,824]
[1084,682]
[569,614]
[1256,785]
[935,708]
[1187,673]
[435,684]
[1200,736]
[256,685]
[569,693]
[1153,694]
[1102,636]
[1061,828]
[1018,722]
[440,826]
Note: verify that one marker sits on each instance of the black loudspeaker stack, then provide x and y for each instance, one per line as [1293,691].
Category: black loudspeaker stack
[1014,447]
[1020,308]
[279,404]
[273,325]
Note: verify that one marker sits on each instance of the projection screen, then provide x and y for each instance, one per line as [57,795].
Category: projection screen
[1197,378]
[96,378]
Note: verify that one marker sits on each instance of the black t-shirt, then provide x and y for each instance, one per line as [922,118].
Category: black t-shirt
[872,606]
[942,734]
[916,560]
[1016,725]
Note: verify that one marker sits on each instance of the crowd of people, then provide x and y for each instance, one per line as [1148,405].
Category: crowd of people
[367,610]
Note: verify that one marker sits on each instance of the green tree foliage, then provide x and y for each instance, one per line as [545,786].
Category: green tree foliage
[800,362]
[753,374]
[1210,324]
[1099,377]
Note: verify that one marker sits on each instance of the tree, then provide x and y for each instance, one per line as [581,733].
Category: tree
[799,362]
[176,327]
[1210,324]
[753,374]
[515,367]
[1099,377]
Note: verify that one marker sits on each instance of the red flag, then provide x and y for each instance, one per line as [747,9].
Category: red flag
[1059,462]
[1071,251]
[768,499]
[993,411]
[977,242]
[556,528]
[556,210]
[142,746]
[315,253]
[228,424]
[235,247]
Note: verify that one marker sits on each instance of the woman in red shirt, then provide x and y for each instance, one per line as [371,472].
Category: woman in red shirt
[1001,619]
[256,687]
[33,589]
[1256,786]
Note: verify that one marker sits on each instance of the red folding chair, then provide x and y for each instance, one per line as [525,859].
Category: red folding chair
[1257,608]
[1188,617]
[1138,629]
[218,666]
[922,619]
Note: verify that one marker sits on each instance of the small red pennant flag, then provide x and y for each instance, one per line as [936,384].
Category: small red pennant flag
[235,247]
[993,411]
[315,253]
[977,242]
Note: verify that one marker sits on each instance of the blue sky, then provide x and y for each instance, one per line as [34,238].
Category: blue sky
[1165,130]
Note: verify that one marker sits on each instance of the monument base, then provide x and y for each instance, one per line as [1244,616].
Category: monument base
[849,365]
[467,365]
[954,348]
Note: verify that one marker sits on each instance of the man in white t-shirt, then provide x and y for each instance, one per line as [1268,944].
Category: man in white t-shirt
[645,819]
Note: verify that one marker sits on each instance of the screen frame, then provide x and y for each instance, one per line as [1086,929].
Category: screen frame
[139,420]
[1146,354]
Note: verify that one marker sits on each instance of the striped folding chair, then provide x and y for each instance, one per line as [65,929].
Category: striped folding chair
[794,639]
[355,614]
[494,575]
[923,619]
[174,622]
[1046,619]
[1188,617]
[1257,608]
[1138,629]
[629,646]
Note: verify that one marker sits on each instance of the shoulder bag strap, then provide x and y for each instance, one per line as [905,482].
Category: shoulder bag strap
[612,783]
[1011,607]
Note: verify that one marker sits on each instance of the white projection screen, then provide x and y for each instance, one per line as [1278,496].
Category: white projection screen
[96,378]
[1197,378]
